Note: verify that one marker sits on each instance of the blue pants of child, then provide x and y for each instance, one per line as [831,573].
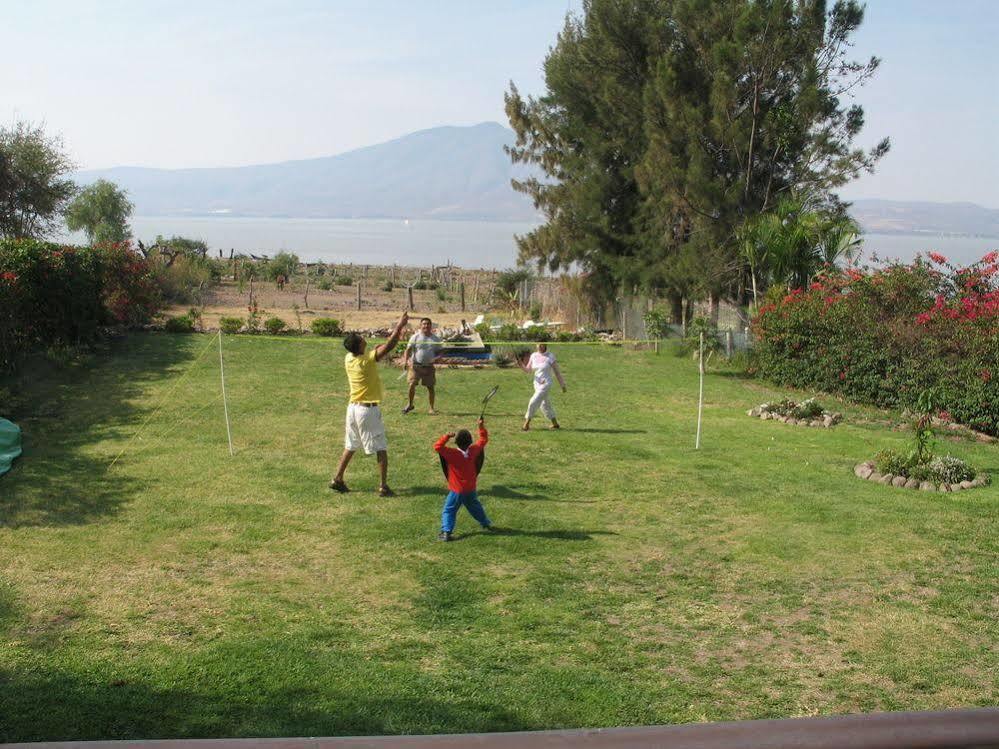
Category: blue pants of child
[471,501]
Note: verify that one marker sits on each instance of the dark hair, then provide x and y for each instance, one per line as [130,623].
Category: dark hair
[425,318]
[352,342]
[463,439]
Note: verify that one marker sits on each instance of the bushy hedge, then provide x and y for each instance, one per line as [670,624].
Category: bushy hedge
[887,335]
[512,332]
[54,294]
[327,326]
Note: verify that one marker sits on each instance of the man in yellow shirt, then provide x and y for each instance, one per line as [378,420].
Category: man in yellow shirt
[364,417]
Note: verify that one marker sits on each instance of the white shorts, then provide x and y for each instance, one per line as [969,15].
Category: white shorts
[365,430]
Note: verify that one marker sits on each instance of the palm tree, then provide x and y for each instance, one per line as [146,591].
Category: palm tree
[789,245]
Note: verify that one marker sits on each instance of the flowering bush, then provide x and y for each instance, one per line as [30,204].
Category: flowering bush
[52,294]
[886,335]
[942,469]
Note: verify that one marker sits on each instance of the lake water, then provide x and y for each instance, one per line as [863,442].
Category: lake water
[470,244]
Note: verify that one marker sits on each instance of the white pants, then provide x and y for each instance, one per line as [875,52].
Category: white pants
[542,401]
[365,430]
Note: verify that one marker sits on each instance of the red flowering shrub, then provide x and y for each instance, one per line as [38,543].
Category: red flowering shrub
[51,293]
[883,336]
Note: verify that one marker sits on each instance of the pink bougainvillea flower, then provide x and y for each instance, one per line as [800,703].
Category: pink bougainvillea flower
[936,257]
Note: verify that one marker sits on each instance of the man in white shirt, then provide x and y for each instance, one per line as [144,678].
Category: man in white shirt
[543,366]
[423,348]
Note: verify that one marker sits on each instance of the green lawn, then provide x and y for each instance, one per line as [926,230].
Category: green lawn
[186,593]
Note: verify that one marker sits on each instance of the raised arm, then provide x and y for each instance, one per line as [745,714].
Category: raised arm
[442,442]
[483,434]
[387,347]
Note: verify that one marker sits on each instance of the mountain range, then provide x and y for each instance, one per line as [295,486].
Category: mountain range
[441,173]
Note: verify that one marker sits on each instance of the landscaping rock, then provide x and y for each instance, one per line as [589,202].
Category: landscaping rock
[926,486]
[875,476]
[887,479]
[911,484]
[967,484]
[862,471]
[943,488]
[753,412]
[899,481]
[816,423]
[827,421]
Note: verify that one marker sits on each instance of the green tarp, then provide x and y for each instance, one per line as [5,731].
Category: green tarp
[10,444]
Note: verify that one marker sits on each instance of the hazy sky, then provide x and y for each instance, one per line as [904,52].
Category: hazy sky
[174,83]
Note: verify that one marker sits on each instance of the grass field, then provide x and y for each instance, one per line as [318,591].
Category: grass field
[186,593]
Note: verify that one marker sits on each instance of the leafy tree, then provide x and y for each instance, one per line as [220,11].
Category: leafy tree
[34,188]
[284,264]
[792,243]
[746,106]
[666,124]
[102,211]
[587,135]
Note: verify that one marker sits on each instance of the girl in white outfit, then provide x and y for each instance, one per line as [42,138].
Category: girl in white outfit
[542,365]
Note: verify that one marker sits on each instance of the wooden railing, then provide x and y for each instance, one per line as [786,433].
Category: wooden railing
[950,729]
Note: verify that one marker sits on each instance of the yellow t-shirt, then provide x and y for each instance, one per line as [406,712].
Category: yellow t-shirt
[362,374]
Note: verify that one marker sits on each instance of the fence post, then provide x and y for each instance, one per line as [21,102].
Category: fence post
[461,288]
[359,293]
[728,343]
[409,289]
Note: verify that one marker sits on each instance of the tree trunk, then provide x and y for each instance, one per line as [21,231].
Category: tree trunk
[676,308]
[713,308]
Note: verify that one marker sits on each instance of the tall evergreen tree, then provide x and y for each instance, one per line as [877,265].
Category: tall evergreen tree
[668,123]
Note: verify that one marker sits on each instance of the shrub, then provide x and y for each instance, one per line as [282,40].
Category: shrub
[185,273]
[283,264]
[180,324]
[888,335]
[692,341]
[325,284]
[505,356]
[808,409]
[230,325]
[388,286]
[253,319]
[274,325]
[55,294]
[344,281]
[656,324]
[890,461]
[535,312]
[327,326]
[950,470]
[441,294]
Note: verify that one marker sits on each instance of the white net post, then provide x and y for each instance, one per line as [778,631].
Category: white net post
[225,402]
[700,394]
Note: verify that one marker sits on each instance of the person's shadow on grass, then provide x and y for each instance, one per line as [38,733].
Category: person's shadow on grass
[553,535]
[590,430]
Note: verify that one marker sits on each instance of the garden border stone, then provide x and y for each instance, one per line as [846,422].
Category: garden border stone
[826,421]
[868,472]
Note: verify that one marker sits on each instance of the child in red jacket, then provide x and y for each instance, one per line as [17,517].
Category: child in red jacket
[463,465]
